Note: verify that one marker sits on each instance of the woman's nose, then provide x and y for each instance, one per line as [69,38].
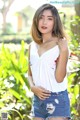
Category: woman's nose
[44,21]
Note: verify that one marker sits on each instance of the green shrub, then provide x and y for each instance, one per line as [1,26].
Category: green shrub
[15,95]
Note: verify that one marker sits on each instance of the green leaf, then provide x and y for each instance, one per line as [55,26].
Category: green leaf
[14,93]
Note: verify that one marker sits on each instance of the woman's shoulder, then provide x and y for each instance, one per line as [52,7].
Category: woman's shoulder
[32,43]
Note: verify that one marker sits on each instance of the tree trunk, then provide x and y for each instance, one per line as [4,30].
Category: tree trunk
[4,12]
[4,22]
[76,27]
[77,9]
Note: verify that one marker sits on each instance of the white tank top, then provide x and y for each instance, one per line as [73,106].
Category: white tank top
[43,68]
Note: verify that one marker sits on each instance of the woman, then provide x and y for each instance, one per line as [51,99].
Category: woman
[48,56]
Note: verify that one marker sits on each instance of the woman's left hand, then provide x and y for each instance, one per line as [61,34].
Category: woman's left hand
[63,44]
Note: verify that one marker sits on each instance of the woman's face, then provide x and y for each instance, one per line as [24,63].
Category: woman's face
[46,22]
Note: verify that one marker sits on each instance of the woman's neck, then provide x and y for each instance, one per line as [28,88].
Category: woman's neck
[47,38]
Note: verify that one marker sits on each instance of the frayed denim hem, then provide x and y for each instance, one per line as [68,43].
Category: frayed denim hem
[68,117]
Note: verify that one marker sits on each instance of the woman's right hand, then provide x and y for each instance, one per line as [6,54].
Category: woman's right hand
[40,92]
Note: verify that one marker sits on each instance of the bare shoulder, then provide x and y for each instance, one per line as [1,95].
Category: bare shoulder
[30,45]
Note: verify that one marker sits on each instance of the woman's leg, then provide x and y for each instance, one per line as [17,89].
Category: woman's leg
[36,118]
[57,118]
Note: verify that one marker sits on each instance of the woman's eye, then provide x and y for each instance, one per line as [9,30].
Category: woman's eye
[41,17]
[50,19]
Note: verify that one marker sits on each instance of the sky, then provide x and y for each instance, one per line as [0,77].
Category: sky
[20,4]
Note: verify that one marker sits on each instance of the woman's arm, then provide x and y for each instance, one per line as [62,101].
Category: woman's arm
[62,61]
[31,83]
[37,90]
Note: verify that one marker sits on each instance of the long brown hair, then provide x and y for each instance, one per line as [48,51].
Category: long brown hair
[57,28]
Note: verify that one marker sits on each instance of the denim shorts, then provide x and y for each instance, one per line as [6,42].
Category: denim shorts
[57,105]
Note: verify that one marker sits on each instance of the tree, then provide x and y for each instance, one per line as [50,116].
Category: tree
[75,86]
[6,4]
[76,22]
[77,8]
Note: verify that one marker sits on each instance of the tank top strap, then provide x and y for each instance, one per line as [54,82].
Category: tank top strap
[33,47]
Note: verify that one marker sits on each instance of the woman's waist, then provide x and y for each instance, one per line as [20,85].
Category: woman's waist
[59,93]
[52,86]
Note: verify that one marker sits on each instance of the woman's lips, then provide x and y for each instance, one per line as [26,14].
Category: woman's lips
[43,27]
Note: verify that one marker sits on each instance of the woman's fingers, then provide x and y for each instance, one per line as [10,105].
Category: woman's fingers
[63,44]
[44,95]
[44,90]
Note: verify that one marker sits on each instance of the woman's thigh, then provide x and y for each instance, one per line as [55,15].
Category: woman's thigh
[58,118]
[36,118]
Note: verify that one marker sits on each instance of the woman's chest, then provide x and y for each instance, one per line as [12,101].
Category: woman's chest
[50,56]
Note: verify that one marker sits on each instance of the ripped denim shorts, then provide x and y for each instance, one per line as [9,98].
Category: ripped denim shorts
[57,105]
